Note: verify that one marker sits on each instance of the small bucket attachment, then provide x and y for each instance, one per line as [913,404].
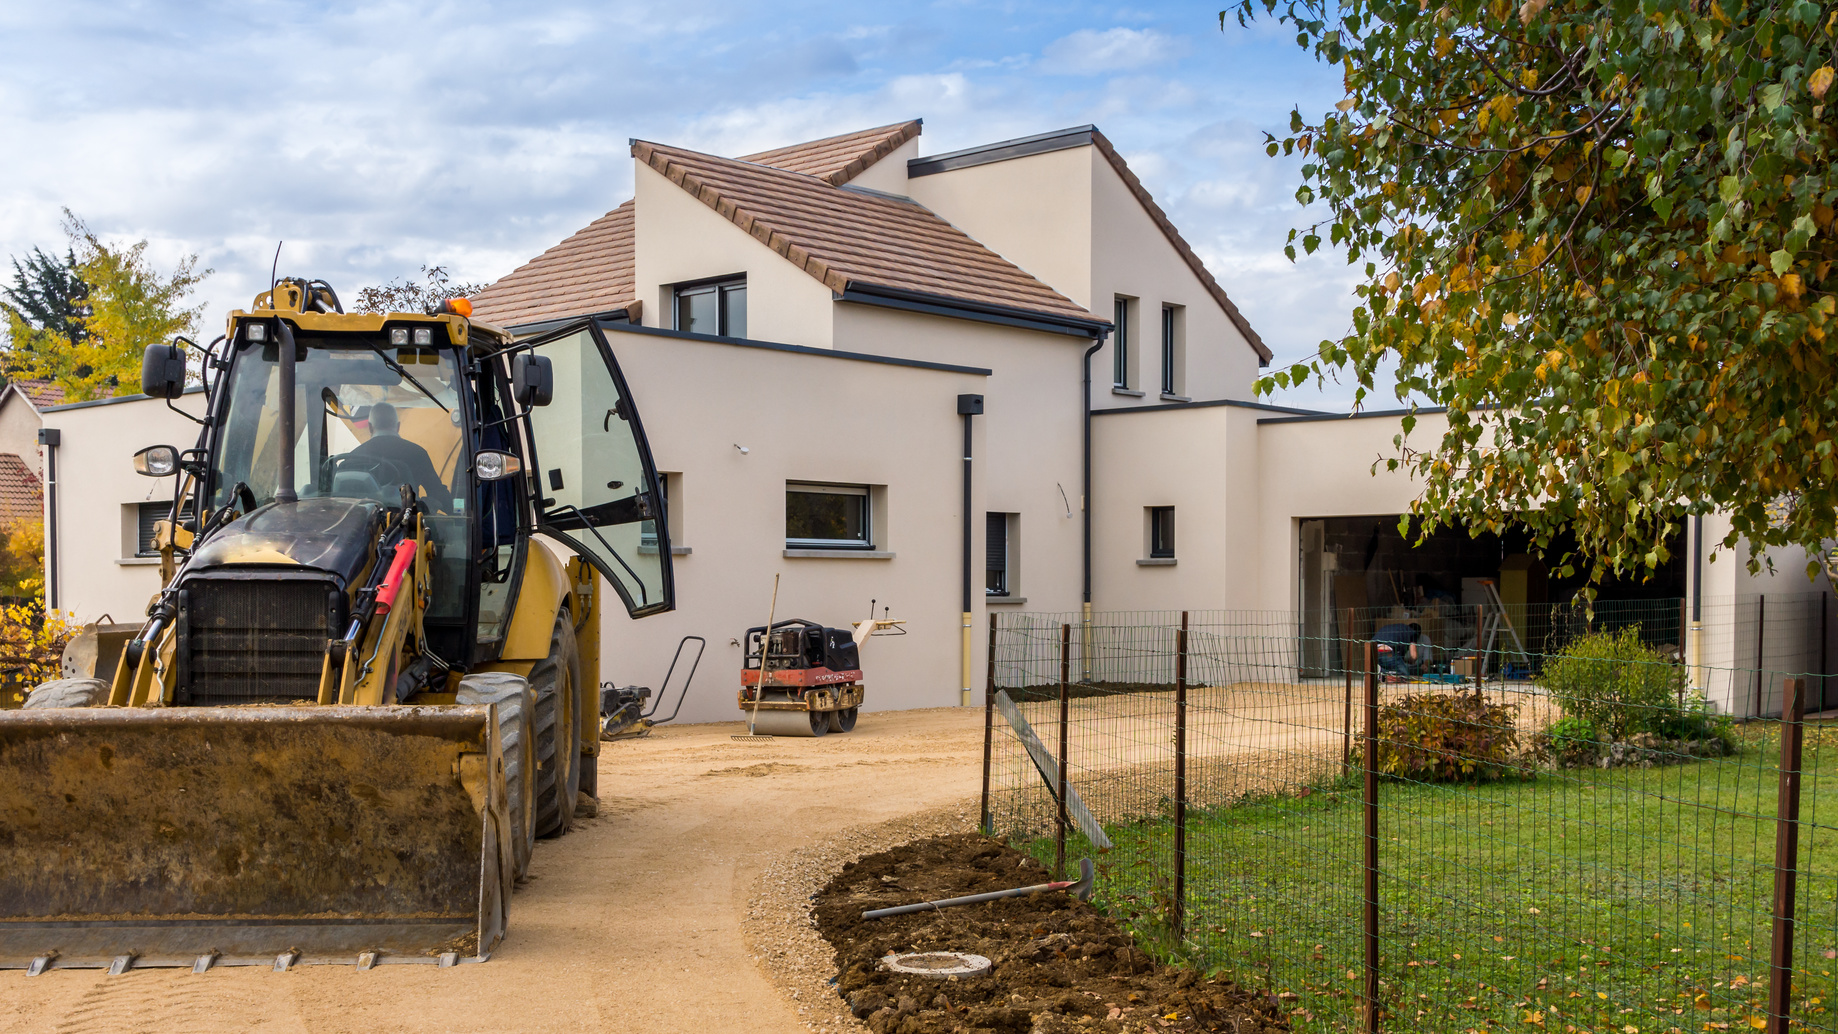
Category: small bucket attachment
[251,834]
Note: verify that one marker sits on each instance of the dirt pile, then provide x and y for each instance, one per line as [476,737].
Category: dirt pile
[1058,964]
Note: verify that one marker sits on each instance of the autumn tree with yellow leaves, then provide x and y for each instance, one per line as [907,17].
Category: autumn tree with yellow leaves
[1601,235]
[92,345]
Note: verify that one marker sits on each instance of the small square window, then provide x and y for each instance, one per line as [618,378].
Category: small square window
[1161,532]
[718,308]
[821,516]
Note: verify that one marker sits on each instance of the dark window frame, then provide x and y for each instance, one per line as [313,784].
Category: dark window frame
[724,288]
[1120,341]
[1168,350]
[865,493]
[1161,533]
[999,558]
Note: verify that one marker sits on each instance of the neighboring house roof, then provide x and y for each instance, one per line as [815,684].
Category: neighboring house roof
[846,237]
[20,494]
[589,272]
[39,393]
[838,159]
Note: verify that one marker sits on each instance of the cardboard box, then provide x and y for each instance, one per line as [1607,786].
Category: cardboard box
[1464,666]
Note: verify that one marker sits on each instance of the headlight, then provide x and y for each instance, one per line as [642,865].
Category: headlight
[156,461]
[424,335]
[492,465]
[256,332]
[398,336]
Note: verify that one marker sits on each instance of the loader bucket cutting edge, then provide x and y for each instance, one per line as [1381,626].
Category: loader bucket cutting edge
[249,833]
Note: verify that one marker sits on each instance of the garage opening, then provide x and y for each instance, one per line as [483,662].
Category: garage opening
[1484,593]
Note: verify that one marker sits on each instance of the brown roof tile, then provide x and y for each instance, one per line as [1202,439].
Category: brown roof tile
[838,159]
[844,236]
[1180,244]
[41,393]
[589,272]
[20,495]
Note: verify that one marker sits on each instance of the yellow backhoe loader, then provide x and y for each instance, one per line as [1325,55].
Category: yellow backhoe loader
[365,686]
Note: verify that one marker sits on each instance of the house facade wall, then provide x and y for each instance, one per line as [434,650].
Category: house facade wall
[98,495]
[19,424]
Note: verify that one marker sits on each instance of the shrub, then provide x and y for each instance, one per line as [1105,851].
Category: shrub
[31,644]
[1447,737]
[1614,683]
[1569,733]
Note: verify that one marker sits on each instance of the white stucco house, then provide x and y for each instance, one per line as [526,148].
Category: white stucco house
[804,331]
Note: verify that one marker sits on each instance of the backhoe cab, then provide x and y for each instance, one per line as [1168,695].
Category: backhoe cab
[361,691]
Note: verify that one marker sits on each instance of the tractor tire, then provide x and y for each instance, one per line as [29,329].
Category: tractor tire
[516,703]
[556,680]
[68,693]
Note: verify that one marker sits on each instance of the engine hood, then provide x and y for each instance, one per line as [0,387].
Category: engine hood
[336,536]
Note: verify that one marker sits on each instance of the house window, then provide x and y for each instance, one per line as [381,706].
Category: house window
[647,530]
[999,579]
[148,514]
[1171,358]
[718,308]
[1161,532]
[1120,340]
[827,517]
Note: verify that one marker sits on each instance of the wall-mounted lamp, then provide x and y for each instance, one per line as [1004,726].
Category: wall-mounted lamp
[743,449]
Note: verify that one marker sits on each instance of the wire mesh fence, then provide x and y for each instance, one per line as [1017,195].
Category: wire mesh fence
[1585,845]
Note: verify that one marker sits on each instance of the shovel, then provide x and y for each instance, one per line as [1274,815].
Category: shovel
[1080,889]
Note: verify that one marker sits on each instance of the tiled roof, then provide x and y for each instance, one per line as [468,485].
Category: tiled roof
[20,495]
[847,237]
[838,159]
[589,272]
[41,393]
[1180,245]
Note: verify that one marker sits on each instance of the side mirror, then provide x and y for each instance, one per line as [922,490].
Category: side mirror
[532,380]
[162,371]
[156,461]
[492,465]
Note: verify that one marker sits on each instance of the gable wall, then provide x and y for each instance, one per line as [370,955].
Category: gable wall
[1033,211]
[1132,257]
[889,174]
[19,424]
[677,238]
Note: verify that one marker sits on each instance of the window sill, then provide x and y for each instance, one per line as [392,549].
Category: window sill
[674,550]
[1131,392]
[838,554]
[138,561]
[1004,600]
[1171,397]
[1156,561]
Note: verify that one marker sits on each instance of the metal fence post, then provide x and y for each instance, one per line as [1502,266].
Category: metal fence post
[1180,783]
[989,727]
[1786,858]
[1065,717]
[1369,759]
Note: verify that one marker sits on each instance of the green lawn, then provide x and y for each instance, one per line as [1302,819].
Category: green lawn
[1626,899]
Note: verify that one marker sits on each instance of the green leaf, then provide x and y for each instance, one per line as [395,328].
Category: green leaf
[1780,261]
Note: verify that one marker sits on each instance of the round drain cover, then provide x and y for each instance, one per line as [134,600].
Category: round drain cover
[937,964]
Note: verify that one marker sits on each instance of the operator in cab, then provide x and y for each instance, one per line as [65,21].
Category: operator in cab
[416,468]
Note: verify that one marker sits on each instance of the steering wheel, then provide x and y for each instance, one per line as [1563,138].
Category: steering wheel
[380,471]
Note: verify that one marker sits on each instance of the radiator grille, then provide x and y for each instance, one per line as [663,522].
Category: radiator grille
[250,641]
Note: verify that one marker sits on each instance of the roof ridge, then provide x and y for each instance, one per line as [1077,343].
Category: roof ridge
[811,156]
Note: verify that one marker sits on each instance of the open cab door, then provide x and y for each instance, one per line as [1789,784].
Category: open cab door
[594,482]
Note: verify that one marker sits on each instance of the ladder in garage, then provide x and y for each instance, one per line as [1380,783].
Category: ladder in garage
[1496,627]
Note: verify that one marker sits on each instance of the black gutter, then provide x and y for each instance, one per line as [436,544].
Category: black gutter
[50,438]
[1165,407]
[114,401]
[528,329]
[1362,415]
[1697,568]
[982,312]
[1085,500]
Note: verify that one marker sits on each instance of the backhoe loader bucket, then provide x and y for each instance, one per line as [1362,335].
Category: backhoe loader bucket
[251,835]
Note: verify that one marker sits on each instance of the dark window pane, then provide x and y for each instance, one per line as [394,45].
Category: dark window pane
[1168,351]
[996,536]
[695,311]
[825,518]
[148,515]
[1120,353]
[734,311]
[1161,531]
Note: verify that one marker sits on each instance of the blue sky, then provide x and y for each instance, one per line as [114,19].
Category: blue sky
[376,137]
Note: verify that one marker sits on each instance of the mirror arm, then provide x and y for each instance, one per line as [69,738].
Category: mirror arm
[200,421]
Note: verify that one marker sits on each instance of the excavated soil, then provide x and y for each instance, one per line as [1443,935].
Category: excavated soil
[1059,965]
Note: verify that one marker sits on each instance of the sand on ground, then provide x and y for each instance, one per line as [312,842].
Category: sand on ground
[636,921]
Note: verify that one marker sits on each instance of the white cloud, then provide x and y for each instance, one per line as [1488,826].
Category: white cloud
[1090,52]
